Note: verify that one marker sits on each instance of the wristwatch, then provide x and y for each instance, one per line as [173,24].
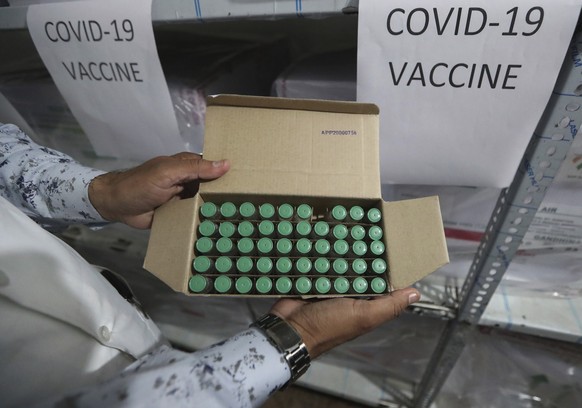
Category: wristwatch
[286,339]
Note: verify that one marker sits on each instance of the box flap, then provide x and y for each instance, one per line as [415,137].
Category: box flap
[171,243]
[415,238]
[295,147]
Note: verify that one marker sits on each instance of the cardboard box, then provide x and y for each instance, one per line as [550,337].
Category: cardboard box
[293,150]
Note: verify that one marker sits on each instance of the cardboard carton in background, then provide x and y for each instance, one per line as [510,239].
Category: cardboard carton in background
[295,150]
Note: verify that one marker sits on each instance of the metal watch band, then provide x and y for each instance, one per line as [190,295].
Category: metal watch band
[286,339]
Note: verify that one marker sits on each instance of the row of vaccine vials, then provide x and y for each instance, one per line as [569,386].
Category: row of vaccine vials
[287,285]
[287,212]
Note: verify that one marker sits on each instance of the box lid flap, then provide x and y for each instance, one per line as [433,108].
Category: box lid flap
[294,147]
[416,240]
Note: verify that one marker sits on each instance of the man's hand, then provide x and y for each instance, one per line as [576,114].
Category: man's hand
[326,324]
[131,196]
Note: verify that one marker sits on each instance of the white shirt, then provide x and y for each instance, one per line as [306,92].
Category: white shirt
[64,325]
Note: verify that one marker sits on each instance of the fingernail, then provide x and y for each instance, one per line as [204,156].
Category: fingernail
[217,163]
[413,297]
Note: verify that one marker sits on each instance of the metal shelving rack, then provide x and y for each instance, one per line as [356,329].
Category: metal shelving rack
[513,213]
[511,218]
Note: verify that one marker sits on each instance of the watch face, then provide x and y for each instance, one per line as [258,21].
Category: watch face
[285,336]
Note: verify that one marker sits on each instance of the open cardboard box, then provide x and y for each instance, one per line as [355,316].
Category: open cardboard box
[297,151]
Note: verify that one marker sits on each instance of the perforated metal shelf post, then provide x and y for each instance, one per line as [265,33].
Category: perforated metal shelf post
[511,218]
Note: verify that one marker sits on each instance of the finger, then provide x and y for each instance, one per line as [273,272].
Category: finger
[184,170]
[384,308]
[187,156]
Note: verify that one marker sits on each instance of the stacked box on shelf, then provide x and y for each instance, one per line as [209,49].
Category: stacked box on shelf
[290,153]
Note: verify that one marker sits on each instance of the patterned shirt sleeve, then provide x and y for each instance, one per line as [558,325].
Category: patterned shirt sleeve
[47,185]
[240,372]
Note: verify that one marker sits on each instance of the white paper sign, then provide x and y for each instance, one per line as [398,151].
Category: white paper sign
[103,58]
[461,86]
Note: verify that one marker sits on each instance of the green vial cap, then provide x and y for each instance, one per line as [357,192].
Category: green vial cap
[207,228]
[228,210]
[243,285]
[223,264]
[201,264]
[377,247]
[303,285]
[264,265]
[284,246]
[246,229]
[283,285]
[265,245]
[339,212]
[266,228]
[283,265]
[359,248]
[208,210]
[285,228]
[357,213]
[226,229]
[285,211]
[341,285]
[375,233]
[266,211]
[303,228]
[359,266]
[224,245]
[340,266]
[223,284]
[374,215]
[358,232]
[245,245]
[322,246]
[322,285]
[379,265]
[341,247]
[321,265]
[264,285]
[304,211]
[360,285]
[303,265]
[199,284]
[247,210]
[303,245]
[321,228]
[204,245]
[340,231]
[244,264]
[378,285]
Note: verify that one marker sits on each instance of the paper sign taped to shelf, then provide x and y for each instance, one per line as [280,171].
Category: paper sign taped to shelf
[460,89]
[103,58]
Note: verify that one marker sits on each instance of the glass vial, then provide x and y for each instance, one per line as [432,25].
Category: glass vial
[322,285]
[246,229]
[283,265]
[321,229]
[304,212]
[379,266]
[339,213]
[377,248]
[209,210]
[284,246]
[356,213]
[200,284]
[202,264]
[228,210]
[375,233]
[244,264]
[264,285]
[340,231]
[321,265]
[359,266]
[303,285]
[378,285]
[266,211]
[247,210]
[284,229]
[223,284]
[207,228]
[223,264]
[359,285]
[245,246]
[266,229]
[341,285]
[303,265]
[264,265]
[204,246]
[285,211]
[226,229]
[340,266]
[243,285]
[283,285]
[374,215]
